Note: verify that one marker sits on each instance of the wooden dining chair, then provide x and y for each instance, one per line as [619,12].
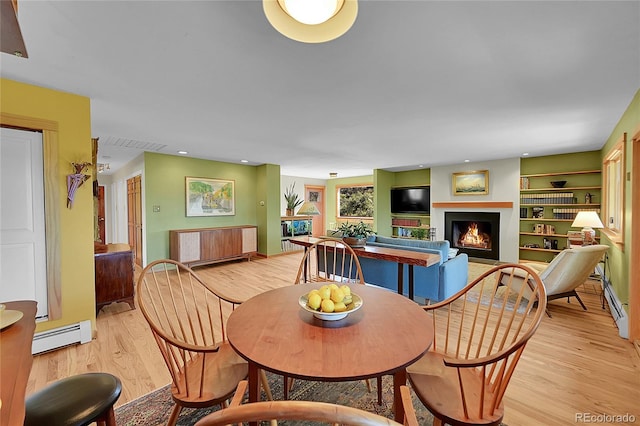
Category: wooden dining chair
[331,260]
[480,334]
[323,412]
[187,319]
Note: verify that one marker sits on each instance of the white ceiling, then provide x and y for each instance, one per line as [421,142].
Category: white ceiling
[413,82]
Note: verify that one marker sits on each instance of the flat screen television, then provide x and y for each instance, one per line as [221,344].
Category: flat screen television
[415,200]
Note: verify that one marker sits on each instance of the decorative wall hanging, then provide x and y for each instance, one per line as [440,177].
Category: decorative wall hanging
[471,183]
[210,197]
[75,180]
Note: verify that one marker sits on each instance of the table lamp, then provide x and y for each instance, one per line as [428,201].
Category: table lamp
[587,220]
[308,208]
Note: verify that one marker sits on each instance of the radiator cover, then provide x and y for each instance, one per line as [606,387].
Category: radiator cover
[62,336]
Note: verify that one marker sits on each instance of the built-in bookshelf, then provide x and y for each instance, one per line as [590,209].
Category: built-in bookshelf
[293,226]
[547,210]
[415,226]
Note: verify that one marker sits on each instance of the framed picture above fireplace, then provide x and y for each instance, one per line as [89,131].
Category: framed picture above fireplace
[471,183]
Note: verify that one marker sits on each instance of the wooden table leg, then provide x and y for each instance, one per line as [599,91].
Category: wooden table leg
[400,279]
[410,281]
[254,386]
[399,379]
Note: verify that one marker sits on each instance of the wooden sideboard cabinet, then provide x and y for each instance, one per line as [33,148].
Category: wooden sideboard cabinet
[209,245]
[114,278]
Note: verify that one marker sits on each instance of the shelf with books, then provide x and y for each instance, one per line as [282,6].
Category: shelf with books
[408,226]
[549,202]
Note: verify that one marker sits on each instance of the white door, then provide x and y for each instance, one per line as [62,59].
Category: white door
[22,231]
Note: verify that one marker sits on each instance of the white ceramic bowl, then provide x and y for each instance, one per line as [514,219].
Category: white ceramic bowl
[355,304]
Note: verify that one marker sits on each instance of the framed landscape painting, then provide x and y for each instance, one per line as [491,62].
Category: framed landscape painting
[210,197]
[471,183]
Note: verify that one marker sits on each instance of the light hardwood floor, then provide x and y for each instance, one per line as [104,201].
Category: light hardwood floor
[576,363]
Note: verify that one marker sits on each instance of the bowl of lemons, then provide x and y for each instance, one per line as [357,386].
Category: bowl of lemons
[330,302]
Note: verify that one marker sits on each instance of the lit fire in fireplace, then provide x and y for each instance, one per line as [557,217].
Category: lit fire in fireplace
[474,238]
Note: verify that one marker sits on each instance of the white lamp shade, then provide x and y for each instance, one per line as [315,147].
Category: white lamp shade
[587,219]
[308,208]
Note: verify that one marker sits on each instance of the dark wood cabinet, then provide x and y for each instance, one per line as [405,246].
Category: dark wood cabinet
[209,245]
[114,278]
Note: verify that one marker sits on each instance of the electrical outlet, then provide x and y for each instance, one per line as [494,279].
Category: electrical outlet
[156,209]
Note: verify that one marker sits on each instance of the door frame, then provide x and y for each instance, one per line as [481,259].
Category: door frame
[634,272]
[318,221]
[52,199]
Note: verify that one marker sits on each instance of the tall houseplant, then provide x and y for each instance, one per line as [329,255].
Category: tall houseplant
[292,198]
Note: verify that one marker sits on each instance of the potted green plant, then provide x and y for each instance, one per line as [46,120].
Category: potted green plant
[355,234]
[418,233]
[292,198]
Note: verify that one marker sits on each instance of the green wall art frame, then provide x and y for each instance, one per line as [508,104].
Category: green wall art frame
[210,197]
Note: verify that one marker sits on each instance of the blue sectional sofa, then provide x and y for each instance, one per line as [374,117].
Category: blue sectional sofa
[436,282]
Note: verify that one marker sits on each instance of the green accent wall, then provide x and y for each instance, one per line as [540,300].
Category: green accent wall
[268,215]
[384,181]
[576,161]
[164,186]
[620,259]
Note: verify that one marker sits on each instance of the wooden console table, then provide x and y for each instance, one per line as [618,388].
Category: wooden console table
[15,362]
[209,245]
[114,278]
[399,256]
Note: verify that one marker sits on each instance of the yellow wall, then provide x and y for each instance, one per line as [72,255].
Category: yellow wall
[72,113]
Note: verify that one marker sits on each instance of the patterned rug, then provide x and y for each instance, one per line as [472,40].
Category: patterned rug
[154,408]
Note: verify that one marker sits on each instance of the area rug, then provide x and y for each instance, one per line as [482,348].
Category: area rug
[154,408]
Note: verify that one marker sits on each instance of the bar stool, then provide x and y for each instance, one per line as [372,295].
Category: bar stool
[76,400]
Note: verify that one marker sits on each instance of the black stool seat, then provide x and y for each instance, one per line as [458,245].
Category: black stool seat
[76,400]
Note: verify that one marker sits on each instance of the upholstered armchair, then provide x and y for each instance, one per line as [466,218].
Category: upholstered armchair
[568,270]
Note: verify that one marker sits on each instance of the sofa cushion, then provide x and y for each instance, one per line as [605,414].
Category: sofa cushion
[441,247]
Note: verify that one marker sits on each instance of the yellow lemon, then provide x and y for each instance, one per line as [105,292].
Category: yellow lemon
[336,295]
[314,301]
[339,307]
[333,286]
[327,306]
[346,290]
[314,291]
[325,292]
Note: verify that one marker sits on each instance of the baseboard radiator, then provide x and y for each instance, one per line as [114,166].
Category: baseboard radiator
[62,336]
[615,306]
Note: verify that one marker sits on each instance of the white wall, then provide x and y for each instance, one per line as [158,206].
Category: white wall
[504,185]
[115,193]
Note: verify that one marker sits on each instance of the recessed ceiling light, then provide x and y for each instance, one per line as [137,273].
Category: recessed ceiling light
[466,161]
[182,152]
[333,174]
[244,161]
[291,18]
[421,165]
[524,154]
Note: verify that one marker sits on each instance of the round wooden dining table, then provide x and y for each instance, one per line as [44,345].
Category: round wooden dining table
[388,333]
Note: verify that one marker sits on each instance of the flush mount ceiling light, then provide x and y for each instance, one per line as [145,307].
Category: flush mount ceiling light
[311,21]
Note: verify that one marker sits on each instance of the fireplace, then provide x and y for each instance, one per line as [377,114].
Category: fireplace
[475,233]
